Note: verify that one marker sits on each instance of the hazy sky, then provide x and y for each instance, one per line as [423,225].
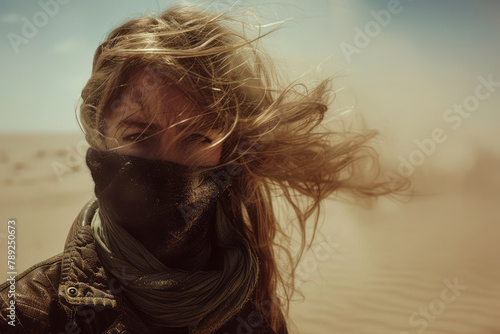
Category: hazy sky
[417,61]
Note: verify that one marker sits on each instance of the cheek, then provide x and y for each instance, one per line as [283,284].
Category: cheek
[207,158]
[213,156]
[136,152]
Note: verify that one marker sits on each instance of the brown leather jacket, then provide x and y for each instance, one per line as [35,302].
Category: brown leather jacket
[72,293]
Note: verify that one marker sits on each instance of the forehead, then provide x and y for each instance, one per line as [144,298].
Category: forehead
[147,98]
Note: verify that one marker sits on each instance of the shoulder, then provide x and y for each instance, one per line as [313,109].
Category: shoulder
[29,297]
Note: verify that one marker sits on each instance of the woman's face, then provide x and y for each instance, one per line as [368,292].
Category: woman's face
[133,118]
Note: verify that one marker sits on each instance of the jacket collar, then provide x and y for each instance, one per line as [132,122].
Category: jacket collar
[83,278]
[85,282]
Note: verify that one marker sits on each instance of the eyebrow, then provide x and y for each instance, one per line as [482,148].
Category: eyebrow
[138,124]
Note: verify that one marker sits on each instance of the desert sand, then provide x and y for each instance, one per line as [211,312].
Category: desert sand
[429,265]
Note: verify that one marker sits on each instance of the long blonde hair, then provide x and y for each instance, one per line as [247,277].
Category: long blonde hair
[272,134]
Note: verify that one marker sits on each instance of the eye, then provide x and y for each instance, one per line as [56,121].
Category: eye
[136,137]
[198,138]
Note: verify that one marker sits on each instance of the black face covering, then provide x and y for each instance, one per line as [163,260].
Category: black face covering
[158,226]
[165,205]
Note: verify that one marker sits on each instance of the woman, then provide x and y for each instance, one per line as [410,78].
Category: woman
[192,139]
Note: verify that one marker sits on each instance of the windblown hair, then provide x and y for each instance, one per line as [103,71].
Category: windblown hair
[273,140]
